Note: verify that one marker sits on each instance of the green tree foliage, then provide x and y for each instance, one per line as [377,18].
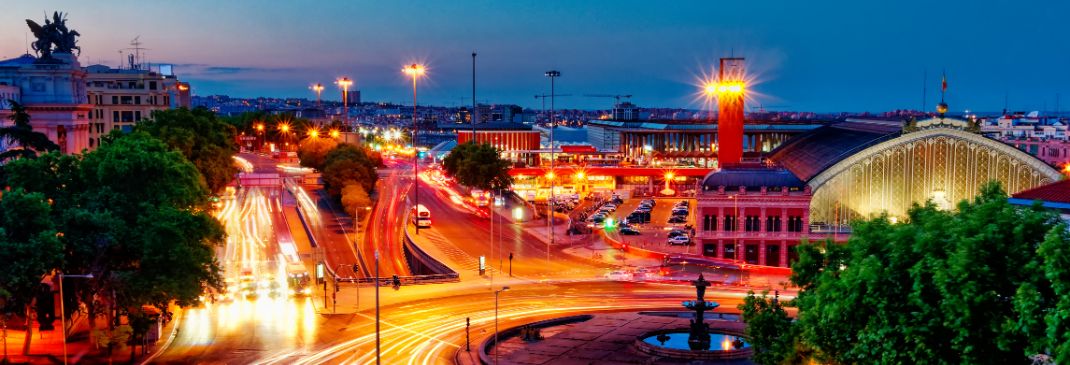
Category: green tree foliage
[134,216]
[478,166]
[983,285]
[313,151]
[202,138]
[769,329]
[349,163]
[21,134]
[29,249]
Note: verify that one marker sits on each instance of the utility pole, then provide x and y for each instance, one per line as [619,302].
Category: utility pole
[377,359]
[552,74]
[475,104]
[467,325]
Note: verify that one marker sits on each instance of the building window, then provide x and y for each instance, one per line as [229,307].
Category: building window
[752,223]
[114,116]
[137,100]
[795,224]
[729,223]
[115,99]
[137,115]
[152,85]
[709,223]
[772,224]
[126,99]
[127,116]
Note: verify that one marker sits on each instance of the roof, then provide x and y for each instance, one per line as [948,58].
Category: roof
[732,177]
[25,59]
[750,126]
[488,126]
[1058,192]
[810,153]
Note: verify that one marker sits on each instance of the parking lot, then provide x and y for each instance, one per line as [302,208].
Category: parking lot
[653,235]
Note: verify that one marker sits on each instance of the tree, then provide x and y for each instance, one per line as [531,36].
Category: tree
[944,287]
[769,329]
[144,240]
[29,249]
[478,166]
[354,198]
[348,163]
[313,151]
[201,137]
[20,133]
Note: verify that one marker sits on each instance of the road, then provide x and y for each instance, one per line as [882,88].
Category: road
[387,221]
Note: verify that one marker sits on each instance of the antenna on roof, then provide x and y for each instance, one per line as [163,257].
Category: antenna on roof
[26,41]
[924,88]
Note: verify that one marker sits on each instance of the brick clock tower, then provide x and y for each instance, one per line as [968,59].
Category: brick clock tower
[730,90]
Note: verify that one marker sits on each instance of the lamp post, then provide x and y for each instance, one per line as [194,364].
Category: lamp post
[285,129]
[552,74]
[344,83]
[415,71]
[62,311]
[377,359]
[497,293]
[318,88]
[475,105]
[260,132]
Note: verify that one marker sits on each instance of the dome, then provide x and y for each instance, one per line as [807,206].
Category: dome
[753,178]
[25,59]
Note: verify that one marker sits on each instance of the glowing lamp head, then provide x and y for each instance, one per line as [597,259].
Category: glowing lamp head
[317,87]
[344,83]
[550,175]
[314,133]
[260,127]
[414,70]
[284,128]
[669,176]
[580,175]
[335,133]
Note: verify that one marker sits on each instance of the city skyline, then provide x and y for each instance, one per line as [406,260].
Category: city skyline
[878,64]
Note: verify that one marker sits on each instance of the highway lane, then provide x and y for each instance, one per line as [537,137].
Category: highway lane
[386,224]
[430,331]
[474,235]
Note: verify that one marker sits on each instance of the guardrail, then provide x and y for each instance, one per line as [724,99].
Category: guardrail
[420,263]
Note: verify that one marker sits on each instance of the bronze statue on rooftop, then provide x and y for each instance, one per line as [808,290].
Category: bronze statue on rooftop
[53,37]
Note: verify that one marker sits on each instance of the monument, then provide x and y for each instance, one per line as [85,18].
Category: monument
[52,85]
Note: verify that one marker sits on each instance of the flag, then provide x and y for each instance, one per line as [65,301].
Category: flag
[943,84]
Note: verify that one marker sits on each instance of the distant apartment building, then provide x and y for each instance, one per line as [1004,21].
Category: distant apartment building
[123,97]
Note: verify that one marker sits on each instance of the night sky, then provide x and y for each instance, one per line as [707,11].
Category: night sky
[837,56]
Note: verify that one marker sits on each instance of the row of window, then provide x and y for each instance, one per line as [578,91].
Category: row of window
[133,100]
[752,223]
[122,85]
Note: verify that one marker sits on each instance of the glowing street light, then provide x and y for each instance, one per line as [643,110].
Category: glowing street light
[335,133]
[415,71]
[318,88]
[314,133]
[344,83]
[285,128]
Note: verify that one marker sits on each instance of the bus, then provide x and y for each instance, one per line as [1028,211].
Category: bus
[421,217]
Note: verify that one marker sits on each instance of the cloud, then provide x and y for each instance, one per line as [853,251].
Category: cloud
[228,72]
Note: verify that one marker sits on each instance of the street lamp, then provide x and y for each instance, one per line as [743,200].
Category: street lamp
[497,345]
[313,133]
[318,88]
[344,83]
[552,74]
[335,133]
[415,71]
[62,310]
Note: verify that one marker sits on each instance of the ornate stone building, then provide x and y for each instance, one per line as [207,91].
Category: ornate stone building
[54,95]
[851,170]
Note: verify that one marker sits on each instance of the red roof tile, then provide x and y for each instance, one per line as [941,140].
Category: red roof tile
[1056,192]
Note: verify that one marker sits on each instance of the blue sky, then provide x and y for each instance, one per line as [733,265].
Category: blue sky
[806,55]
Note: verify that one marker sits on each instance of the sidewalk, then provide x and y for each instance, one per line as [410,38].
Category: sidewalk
[47,347]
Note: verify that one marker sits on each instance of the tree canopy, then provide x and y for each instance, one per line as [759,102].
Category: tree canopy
[313,151]
[478,166]
[986,284]
[201,137]
[21,134]
[133,214]
[347,164]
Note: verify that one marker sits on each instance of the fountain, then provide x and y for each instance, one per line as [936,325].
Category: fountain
[699,338]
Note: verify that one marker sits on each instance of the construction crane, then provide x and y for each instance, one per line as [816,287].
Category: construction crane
[616,97]
[544,96]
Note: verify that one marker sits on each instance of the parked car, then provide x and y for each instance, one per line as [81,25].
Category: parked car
[677,232]
[677,219]
[683,203]
[679,240]
[629,231]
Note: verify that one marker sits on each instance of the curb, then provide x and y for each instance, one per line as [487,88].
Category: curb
[170,338]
